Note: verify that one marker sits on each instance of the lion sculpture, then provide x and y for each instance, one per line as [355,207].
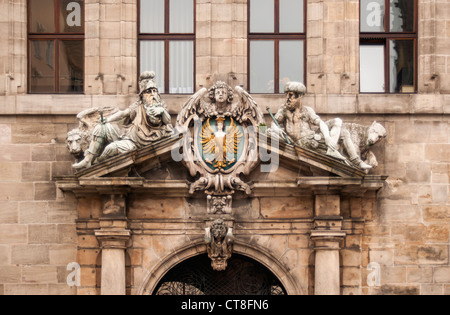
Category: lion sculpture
[364,137]
[78,139]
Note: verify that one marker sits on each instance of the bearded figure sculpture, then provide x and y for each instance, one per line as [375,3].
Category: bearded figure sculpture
[143,123]
[219,241]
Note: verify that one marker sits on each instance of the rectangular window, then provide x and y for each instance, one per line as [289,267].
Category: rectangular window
[388,52]
[167,43]
[55,46]
[276,44]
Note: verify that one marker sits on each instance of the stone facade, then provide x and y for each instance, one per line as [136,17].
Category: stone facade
[292,223]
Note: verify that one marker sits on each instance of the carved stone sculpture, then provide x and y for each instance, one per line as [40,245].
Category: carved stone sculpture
[304,128]
[219,241]
[79,139]
[220,127]
[143,123]
[364,137]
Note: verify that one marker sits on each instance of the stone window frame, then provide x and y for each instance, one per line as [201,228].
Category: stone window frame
[167,37]
[384,38]
[57,37]
[277,36]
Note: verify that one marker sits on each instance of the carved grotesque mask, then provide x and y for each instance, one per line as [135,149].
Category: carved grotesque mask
[219,245]
[219,231]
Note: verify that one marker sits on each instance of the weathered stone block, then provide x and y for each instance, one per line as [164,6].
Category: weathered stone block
[9,213]
[33,133]
[39,274]
[10,274]
[45,191]
[399,290]
[327,205]
[419,274]
[442,275]
[43,153]
[422,254]
[62,255]
[30,254]
[36,171]
[286,208]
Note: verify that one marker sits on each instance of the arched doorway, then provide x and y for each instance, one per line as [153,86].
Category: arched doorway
[243,276]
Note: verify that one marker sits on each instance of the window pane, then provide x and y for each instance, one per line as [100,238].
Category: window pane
[71,16]
[262,66]
[291,16]
[372,15]
[181,16]
[401,66]
[42,66]
[71,58]
[42,16]
[152,16]
[372,68]
[291,62]
[152,59]
[402,15]
[262,16]
[181,65]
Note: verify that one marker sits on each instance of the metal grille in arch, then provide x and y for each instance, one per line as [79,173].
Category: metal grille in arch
[243,276]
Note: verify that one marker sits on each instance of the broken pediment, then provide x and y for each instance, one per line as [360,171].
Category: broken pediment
[154,170]
[220,147]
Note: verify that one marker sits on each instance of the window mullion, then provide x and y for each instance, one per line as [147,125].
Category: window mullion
[277,66]
[387,16]
[56,13]
[277,16]
[387,70]
[167,16]
[166,66]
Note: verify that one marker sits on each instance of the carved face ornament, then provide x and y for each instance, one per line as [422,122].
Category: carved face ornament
[221,95]
[293,100]
[151,96]
[219,231]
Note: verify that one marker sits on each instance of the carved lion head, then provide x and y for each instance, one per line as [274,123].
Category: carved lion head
[77,142]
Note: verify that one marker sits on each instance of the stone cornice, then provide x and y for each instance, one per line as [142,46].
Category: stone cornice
[329,104]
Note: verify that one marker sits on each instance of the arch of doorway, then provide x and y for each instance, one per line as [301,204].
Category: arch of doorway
[154,276]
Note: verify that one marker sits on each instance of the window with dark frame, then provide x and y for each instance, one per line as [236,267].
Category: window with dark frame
[167,43]
[55,46]
[276,44]
[388,46]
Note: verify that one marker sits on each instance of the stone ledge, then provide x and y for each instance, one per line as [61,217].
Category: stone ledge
[329,104]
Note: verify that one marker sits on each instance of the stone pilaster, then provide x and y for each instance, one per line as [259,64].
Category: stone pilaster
[114,239]
[327,237]
[327,276]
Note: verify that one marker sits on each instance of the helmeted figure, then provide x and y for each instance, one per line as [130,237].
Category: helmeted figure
[143,123]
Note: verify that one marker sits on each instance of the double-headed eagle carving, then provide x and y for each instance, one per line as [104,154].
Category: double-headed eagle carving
[220,143]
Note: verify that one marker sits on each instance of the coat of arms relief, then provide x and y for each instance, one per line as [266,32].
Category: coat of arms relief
[220,142]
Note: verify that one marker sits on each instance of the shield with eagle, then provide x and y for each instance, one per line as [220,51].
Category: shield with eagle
[221,143]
